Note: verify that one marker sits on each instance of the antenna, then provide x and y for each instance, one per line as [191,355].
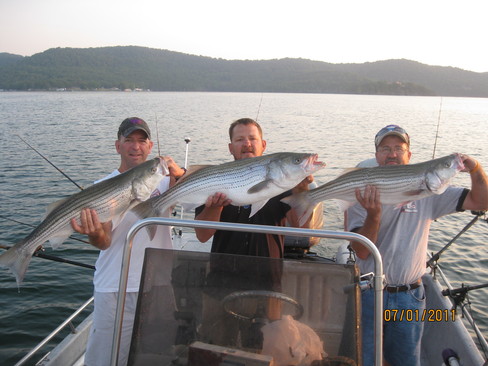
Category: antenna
[187,140]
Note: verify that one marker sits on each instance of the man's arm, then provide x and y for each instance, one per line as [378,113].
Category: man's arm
[211,212]
[99,234]
[371,202]
[477,198]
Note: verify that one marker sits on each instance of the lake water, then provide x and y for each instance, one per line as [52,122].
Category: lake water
[76,131]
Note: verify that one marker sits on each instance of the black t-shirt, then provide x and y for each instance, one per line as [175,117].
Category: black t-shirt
[266,245]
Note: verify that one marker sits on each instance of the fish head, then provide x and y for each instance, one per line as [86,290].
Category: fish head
[289,169]
[147,177]
[442,171]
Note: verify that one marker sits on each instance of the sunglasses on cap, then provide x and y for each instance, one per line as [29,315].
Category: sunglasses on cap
[389,130]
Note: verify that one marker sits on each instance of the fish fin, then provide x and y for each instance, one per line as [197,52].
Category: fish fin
[60,238]
[195,168]
[255,207]
[53,206]
[416,192]
[191,169]
[17,260]
[151,231]
[260,186]
[143,210]
[302,205]
[348,170]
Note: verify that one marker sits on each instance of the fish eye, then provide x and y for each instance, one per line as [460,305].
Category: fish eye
[154,170]
[297,160]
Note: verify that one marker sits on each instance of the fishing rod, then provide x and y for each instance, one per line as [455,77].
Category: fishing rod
[157,135]
[435,257]
[33,226]
[39,254]
[59,170]
[259,108]
[437,132]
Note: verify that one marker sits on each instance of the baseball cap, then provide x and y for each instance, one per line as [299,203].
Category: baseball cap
[132,124]
[391,130]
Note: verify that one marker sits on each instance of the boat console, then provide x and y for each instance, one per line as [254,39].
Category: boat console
[203,309]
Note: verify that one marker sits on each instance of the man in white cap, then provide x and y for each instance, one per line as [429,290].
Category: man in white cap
[401,235]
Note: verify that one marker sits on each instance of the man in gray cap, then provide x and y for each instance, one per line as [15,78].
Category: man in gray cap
[133,145]
[401,235]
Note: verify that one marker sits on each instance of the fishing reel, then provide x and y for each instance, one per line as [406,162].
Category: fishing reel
[481,213]
[458,295]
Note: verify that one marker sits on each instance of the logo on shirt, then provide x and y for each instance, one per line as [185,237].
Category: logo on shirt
[410,207]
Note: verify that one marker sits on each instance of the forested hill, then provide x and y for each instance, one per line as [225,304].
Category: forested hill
[134,67]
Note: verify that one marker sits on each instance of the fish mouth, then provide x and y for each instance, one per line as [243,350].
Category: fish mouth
[163,167]
[314,163]
[459,162]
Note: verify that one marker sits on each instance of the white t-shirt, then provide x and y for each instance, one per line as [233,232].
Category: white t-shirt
[108,265]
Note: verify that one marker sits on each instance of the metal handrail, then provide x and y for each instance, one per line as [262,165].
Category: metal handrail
[266,229]
[54,332]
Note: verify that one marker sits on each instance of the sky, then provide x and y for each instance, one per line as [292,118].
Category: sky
[443,33]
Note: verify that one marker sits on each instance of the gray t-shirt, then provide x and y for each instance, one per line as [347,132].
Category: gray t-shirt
[404,233]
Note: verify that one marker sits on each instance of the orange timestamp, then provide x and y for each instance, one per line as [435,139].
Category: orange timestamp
[415,315]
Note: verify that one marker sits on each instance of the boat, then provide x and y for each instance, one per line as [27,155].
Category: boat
[319,295]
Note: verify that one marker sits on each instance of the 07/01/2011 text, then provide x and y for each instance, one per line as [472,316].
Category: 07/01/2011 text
[415,315]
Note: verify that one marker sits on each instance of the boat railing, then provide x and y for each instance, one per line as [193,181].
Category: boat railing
[466,314]
[55,332]
[377,277]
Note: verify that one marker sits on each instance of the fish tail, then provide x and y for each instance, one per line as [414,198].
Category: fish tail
[17,260]
[302,205]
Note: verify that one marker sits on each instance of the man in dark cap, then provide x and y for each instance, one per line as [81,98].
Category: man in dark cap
[134,146]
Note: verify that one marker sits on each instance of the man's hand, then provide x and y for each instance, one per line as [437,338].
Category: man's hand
[370,200]
[217,200]
[98,233]
[303,185]
[174,169]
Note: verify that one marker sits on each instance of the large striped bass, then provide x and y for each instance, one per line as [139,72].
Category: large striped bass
[251,181]
[108,198]
[397,184]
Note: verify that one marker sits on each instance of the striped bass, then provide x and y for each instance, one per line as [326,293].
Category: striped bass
[397,184]
[251,181]
[108,198]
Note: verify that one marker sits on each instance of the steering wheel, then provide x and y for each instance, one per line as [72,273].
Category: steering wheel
[239,295]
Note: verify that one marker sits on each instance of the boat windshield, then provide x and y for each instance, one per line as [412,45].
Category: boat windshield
[206,309]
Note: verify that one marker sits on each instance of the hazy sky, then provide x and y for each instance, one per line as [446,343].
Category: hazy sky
[434,32]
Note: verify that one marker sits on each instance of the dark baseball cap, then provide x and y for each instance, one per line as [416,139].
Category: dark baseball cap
[132,124]
[391,130]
